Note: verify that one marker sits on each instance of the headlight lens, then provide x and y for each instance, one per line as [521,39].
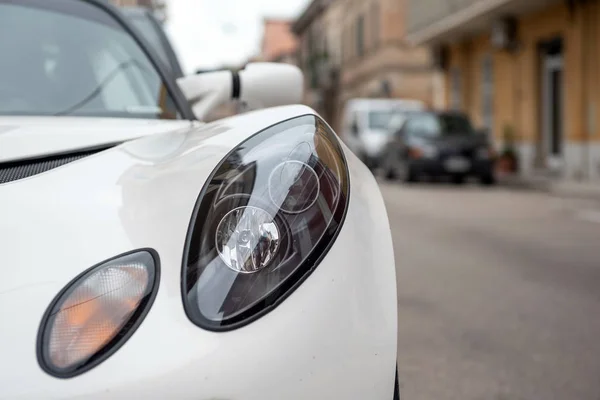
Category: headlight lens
[267,216]
[247,239]
[96,313]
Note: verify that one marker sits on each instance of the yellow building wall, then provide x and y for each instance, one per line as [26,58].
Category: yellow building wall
[517,76]
[591,95]
[506,89]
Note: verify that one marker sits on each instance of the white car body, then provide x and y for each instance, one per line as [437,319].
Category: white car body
[333,338]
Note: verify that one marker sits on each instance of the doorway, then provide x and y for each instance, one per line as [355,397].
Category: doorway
[552,102]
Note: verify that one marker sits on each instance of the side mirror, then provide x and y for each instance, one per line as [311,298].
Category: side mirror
[271,84]
[259,85]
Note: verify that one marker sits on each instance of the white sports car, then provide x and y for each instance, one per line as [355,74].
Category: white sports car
[147,255]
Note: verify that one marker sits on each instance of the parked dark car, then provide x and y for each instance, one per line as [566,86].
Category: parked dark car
[437,144]
[144,21]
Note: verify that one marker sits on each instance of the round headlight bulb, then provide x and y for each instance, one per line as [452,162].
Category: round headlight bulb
[247,239]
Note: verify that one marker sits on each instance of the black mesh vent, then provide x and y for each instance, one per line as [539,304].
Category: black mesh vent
[16,170]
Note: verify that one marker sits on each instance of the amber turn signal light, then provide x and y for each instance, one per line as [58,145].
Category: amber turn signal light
[96,313]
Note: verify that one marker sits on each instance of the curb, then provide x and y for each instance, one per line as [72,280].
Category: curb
[576,193]
[551,187]
[539,185]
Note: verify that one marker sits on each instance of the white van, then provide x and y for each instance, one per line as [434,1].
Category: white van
[365,125]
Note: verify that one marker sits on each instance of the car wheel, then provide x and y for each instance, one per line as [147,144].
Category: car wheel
[435,179]
[458,179]
[389,174]
[488,180]
[396,387]
[387,168]
[405,173]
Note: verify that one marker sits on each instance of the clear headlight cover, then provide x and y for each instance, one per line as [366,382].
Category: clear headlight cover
[262,223]
[96,313]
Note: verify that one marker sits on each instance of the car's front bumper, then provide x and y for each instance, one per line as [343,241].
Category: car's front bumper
[333,338]
[439,167]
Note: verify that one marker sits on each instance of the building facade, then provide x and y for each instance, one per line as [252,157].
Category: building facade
[319,55]
[377,61]
[279,43]
[528,71]
[356,48]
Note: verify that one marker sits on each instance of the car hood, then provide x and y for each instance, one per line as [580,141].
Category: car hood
[136,195]
[97,206]
[34,137]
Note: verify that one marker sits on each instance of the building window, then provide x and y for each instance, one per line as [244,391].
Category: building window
[455,89]
[487,92]
[375,27]
[360,36]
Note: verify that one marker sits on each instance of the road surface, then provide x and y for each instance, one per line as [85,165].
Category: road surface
[498,294]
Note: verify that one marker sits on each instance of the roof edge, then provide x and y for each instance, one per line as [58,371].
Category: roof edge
[435,31]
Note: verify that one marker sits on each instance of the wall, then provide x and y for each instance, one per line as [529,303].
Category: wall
[278,40]
[386,55]
[517,98]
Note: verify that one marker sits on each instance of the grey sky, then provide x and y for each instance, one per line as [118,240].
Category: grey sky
[210,33]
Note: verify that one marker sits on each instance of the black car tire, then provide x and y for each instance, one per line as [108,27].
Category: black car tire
[396,387]
[388,165]
[389,174]
[435,178]
[405,172]
[458,179]
[488,180]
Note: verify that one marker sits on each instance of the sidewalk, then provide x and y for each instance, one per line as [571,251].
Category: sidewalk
[588,190]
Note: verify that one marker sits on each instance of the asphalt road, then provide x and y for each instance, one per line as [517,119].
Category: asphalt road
[498,294]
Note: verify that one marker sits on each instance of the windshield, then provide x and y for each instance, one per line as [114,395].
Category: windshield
[455,125]
[429,125]
[379,120]
[151,33]
[69,57]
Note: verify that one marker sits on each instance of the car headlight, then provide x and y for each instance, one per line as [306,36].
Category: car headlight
[266,217]
[96,313]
